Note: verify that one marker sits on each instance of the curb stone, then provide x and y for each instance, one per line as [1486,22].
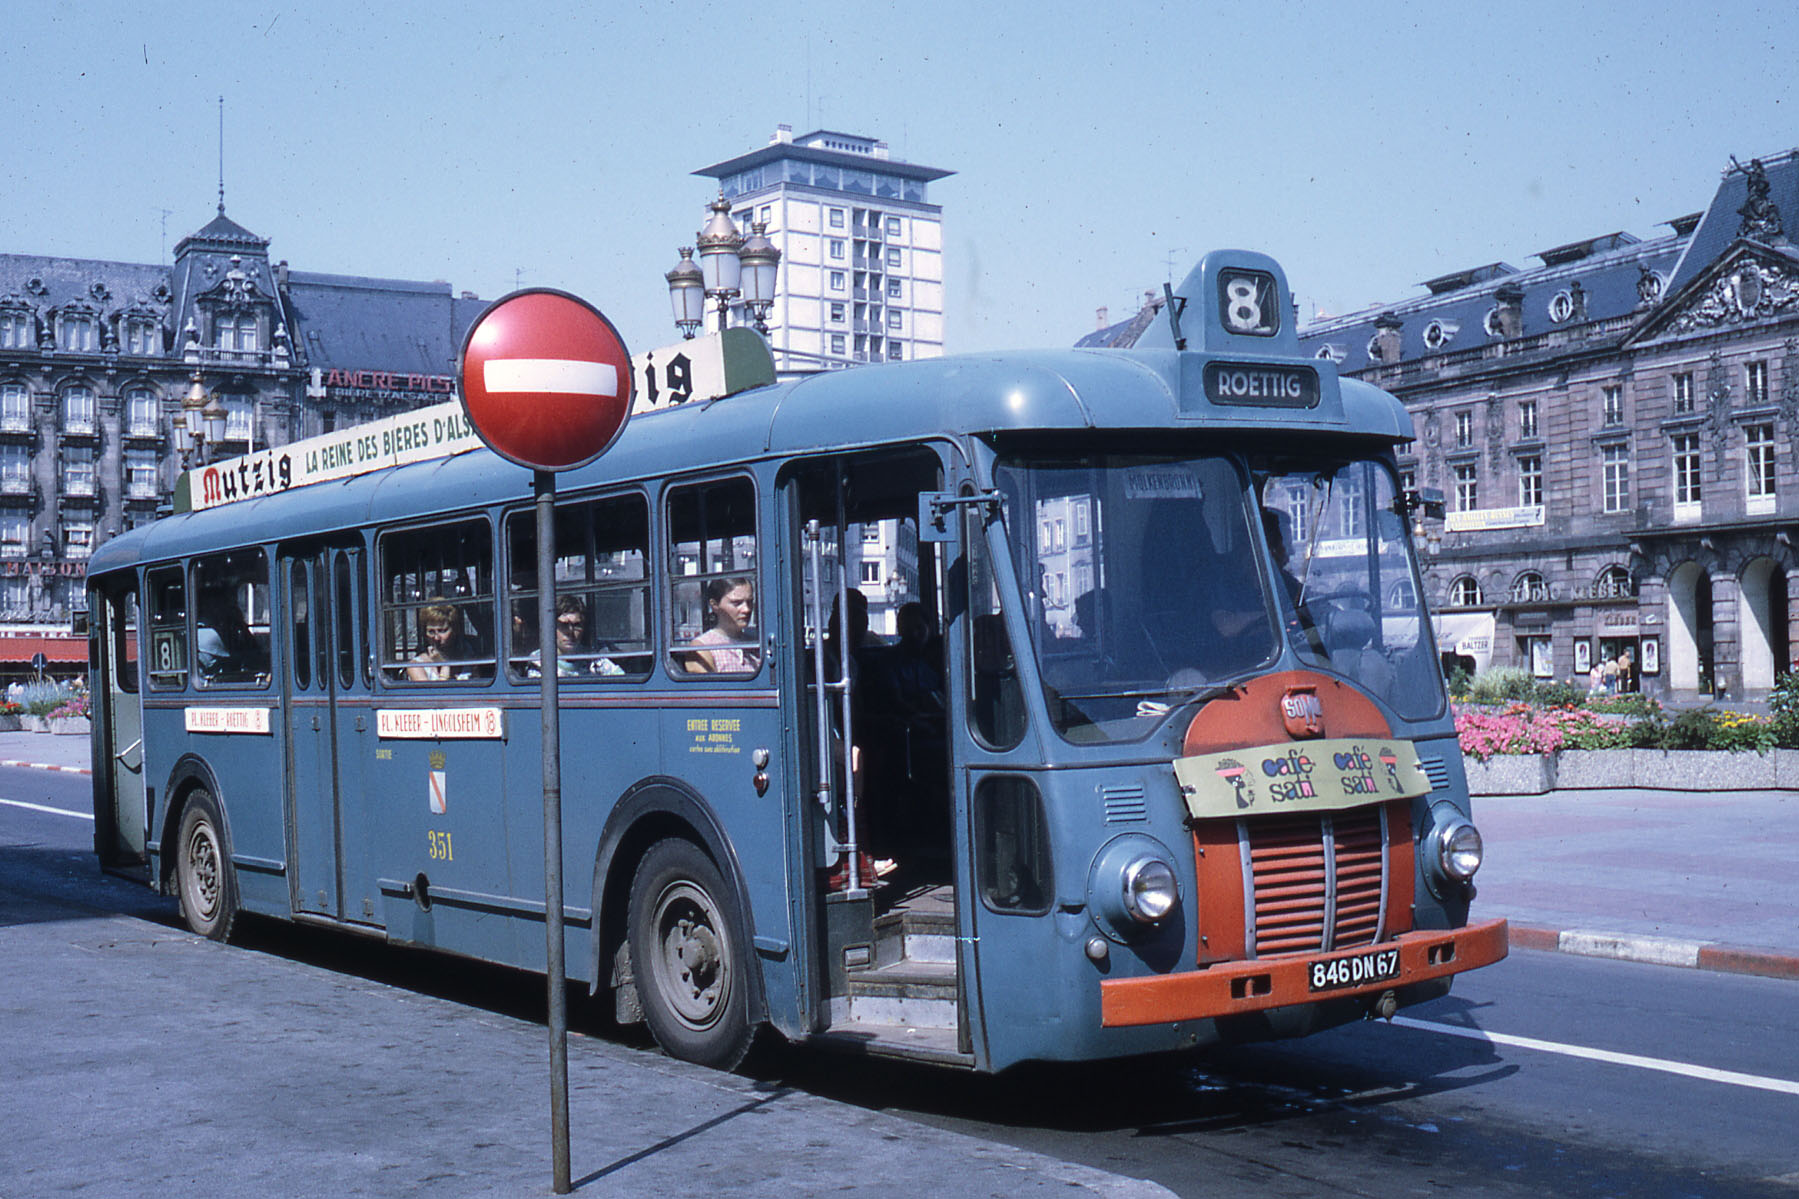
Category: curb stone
[1660,951]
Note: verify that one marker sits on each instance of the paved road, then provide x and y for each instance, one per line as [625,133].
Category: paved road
[140,1060]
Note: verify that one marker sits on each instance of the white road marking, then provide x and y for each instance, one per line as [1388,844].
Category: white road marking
[1705,1073]
[563,375]
[38,807]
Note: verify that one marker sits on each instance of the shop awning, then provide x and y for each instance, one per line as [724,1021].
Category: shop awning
[1469,634]
[62,650]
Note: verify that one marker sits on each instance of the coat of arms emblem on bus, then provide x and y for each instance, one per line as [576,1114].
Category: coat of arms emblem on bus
[1301,712]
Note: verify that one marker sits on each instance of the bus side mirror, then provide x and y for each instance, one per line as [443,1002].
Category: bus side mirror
[78,623]
[1428,500]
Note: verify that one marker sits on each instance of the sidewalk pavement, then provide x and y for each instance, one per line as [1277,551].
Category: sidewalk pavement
[1680,878]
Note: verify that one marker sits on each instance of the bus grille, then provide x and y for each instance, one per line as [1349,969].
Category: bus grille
[1316,881]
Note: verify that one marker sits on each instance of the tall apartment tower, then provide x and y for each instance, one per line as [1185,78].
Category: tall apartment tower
[861,276]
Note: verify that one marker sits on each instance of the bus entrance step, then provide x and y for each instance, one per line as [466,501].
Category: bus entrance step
[919,928]
[910,995]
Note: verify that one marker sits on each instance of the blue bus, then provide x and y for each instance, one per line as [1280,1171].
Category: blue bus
[1038,706]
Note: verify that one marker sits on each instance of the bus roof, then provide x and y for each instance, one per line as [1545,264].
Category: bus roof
[977,395]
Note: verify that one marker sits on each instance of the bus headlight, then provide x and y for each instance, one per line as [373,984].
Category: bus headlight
[1150,890]
[1457,849]
[1133,887]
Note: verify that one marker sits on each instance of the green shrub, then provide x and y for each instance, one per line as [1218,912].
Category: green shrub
[39,699]
[1783,703]
[1558,695]
[1640,706]
[1457,680]
[1500,684]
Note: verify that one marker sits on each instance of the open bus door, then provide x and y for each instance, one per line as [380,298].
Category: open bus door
[120,817]
[879,848]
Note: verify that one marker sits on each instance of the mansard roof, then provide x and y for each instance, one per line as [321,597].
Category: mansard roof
[359,323]
[1757,200]
[224,235]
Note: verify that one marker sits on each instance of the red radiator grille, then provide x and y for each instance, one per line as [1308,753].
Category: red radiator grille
[1301,901]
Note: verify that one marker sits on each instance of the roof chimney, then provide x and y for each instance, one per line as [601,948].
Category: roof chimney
[1101,317]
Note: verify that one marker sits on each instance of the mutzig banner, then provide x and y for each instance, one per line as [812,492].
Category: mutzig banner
[435,432]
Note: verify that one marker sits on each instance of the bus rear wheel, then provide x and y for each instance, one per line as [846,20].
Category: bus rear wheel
[204,880]
[686,959]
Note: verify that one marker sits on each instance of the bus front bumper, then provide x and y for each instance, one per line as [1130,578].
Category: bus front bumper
[1232,987]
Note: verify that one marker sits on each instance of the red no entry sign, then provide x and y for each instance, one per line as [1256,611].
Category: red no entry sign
[546,379]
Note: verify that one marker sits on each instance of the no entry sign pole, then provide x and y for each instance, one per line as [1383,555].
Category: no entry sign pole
[546,382]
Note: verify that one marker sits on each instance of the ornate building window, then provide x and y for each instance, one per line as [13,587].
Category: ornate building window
[1464,430]
[1611,406]
[1686,469]
[143,412]
[15,408]
[15,330]
[78,470]
[1527,419]
[1467,487]
[234,332]
[239,419]
[140,474]
[1758,441]
[15,470]
[1755,384]
[77,539]
[1614,583]
[1614,476]
[1530,480]
[15,535]
[1683,393]
[77,333]
[78,410]
[1464,592]
[143,338]
[1529,588]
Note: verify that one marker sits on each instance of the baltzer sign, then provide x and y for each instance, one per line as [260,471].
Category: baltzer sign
[434,432]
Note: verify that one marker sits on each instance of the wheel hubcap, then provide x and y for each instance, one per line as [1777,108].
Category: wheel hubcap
[203,871]
[692,965]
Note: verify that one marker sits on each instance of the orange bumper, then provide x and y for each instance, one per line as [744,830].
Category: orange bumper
[1232,987]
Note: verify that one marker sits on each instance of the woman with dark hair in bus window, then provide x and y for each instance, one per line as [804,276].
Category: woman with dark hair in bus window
[730,605]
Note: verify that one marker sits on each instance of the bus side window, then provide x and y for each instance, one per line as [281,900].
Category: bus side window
[437,598]
[714,625]
[996,705]
[168,629]
[602,591]
[231,618]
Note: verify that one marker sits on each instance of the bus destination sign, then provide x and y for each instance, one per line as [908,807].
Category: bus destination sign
[1261,385]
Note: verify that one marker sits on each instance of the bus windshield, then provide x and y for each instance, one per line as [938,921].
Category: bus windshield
[1153,578]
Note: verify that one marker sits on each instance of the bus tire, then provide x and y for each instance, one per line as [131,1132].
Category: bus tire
[204,880]
[686,957]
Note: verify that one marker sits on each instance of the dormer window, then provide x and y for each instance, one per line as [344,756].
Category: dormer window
[235,333]
[76,333]
[1439,334]
[15,330]
[142,338]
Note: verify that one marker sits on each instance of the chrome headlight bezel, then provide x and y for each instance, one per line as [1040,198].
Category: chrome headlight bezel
[1134,888]
[1456,849]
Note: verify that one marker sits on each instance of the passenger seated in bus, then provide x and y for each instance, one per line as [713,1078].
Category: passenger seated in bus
[730,606]
[575,655]
[451,652]
[224,647]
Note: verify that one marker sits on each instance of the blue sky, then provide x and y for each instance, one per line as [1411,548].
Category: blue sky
[1365,146]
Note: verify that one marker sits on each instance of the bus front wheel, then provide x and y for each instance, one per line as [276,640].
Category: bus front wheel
[685,957]
[204,880]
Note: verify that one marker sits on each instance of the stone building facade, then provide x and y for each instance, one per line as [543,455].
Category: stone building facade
[1613,431]
[96,358]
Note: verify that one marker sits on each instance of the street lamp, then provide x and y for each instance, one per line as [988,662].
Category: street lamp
[721,268]
[687,293]
[200,421]
[760,260]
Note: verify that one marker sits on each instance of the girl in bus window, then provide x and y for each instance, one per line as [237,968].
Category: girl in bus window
[730,605]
